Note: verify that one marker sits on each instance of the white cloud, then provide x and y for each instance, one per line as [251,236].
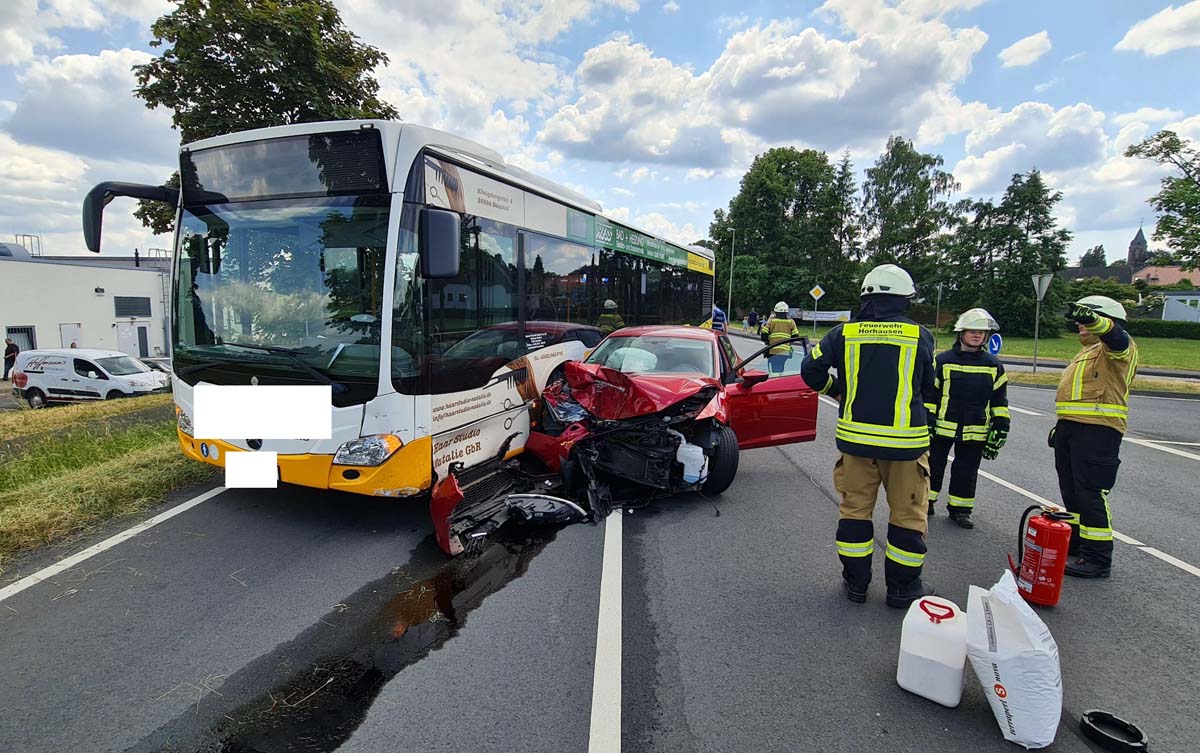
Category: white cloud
[27,27]
[658,224]
[671,7]
[699,173]
[1166,31]
[1076,56]
[1046,86]
[622,191]
[1025,51]
[62,93]
[643,173]
[1147,115]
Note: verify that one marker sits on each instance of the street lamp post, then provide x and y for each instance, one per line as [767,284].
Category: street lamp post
[937,316]
[729,300]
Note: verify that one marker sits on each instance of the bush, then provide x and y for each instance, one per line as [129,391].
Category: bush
[1161,328]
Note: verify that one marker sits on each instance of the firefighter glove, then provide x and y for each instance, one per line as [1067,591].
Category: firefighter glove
[1050,437]
[995,441]
[1082,314]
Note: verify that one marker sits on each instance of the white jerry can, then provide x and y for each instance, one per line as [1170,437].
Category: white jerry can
[933,650]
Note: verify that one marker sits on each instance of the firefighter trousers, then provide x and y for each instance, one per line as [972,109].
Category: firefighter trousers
[964,472]
[906,485]
[1086,457]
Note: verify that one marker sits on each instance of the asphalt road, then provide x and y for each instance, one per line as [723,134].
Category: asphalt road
[295,620]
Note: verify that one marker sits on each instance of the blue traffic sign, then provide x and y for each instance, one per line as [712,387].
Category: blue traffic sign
[995,342]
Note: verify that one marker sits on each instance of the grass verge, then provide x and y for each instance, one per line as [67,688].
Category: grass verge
[1152,384]
[91,472]
[1163,352]
[21,423]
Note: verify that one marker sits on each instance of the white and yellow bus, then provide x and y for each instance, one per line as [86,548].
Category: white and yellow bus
[434,286]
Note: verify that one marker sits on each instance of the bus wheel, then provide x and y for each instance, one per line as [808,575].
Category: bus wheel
[559,373]
[35,398]
[723,464]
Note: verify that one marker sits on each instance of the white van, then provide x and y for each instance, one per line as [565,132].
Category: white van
[74,375]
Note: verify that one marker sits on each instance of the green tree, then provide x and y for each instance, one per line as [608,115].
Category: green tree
[999,247]
[906,211]
[232,65]
[1093,257]
[793,214]
[1178,199]
[1086,286]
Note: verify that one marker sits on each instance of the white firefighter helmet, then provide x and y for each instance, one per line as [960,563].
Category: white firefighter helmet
[781,307]
[888,279]
[610,305]
[1104,305]
[978,319]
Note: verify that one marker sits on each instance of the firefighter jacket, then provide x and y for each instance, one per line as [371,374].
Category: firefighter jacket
[884,362]
[972,394]
[1094,388]
[779,329]
[609,323]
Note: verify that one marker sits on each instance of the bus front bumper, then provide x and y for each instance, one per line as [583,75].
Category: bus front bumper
[407,473]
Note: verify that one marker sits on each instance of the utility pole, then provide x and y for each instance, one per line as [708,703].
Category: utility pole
[729,300]
[937,316]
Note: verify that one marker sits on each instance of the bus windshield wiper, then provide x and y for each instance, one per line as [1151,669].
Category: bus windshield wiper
[196,367]
[295,355]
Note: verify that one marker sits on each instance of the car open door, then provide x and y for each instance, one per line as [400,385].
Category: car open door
[771,408]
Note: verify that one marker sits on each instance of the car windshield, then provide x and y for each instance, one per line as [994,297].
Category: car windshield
[655,354]
[122,365]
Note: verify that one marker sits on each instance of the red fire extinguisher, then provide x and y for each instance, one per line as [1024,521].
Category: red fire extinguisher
[1043,541]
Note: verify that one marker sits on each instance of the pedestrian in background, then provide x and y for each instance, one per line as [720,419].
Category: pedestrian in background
[885,389]
[775,332]
[752,317]
[719,319]
[972,413]
[1092,405]
[10,356]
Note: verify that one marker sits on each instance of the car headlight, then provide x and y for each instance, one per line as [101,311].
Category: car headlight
[183,421]
[368,451]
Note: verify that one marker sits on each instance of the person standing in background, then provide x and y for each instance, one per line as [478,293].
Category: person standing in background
[10,356]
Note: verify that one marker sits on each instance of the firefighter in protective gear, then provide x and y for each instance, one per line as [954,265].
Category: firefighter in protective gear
[885,386]
[972,413]
[1092,405]
[610,321]
[775,332]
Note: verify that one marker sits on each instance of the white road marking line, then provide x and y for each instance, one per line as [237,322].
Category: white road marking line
[1026,411]
[828,400]
[1184,444]
[1168,558]
[63,565]
[605,733]
[1155,446]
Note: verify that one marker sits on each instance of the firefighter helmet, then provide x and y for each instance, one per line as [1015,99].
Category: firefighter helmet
[610,305]
[888,279]
[1104,305]
[781,307]
[977,319]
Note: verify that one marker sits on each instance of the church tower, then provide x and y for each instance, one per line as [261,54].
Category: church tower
[1139,253]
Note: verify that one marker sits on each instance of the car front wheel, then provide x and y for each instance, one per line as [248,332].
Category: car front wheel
[723,464]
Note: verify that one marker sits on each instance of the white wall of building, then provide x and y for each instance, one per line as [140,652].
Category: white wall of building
[46,295]
[1182,308]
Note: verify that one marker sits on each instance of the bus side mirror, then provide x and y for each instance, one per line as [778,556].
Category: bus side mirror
[102,193]
[441,232]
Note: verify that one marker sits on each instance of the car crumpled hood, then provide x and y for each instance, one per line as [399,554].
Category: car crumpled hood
[610,395]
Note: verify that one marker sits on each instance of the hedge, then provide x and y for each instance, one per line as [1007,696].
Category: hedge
[1161,328]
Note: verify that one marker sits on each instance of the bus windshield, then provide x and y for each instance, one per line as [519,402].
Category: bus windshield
[298,274]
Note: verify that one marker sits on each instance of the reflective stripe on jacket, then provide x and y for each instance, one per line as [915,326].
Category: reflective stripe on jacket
[1094,388]
[972,394]
[777,330]
[886,379]
[609,323]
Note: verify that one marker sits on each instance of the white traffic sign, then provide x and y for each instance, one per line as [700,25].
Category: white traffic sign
[817,292]
[1041,283]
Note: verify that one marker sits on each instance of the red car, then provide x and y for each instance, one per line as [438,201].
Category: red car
[670,407]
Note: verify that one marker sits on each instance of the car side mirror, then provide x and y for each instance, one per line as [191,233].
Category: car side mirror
[751,377]
[441,238]
[93,375]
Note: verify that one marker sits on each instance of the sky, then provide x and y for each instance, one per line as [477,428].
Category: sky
[655,108]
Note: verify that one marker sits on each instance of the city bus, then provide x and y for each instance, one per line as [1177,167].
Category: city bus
[435,288]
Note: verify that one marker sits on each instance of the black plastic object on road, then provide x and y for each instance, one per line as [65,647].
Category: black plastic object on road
[543,508]
[1112,733]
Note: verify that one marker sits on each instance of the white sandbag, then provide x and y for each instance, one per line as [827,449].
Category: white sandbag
[1016,660]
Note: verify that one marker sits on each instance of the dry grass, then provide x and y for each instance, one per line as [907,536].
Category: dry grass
[1139,383]
[42,500]
[21,423]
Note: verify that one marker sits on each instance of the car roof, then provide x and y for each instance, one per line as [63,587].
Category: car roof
[75,352]
[667,330]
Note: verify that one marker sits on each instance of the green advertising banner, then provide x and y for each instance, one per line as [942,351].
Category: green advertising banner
[632,242]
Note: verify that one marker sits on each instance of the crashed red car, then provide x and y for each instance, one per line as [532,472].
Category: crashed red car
[652,411]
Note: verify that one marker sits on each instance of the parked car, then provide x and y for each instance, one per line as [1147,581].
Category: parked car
[73,375]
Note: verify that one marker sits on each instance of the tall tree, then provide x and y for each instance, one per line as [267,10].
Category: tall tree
[789,215]
[997,250]
[907,210]
[1093,257]
[231,65]
[1178,199]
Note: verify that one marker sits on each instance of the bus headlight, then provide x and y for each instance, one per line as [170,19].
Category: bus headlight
[371,450]
[183,421]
